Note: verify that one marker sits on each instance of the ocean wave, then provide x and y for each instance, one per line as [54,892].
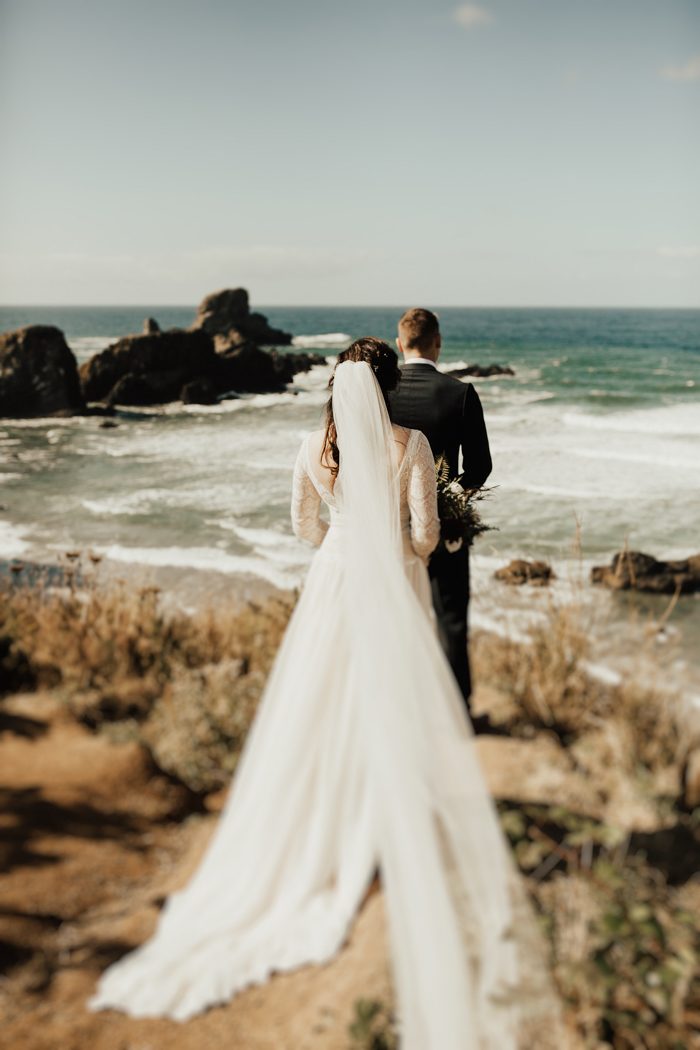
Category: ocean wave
[680,419]
[645,458]
[12,542]
[322,341]
[207,559]
[279,547]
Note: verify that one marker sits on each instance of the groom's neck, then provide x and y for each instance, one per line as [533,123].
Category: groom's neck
[417,355]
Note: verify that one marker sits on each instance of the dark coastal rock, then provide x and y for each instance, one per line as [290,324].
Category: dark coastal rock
[38,374]
[226,315]
[162,363]
[520,571]
[633,570]
[200,391]
[482,371]
[135,389]
[220,354]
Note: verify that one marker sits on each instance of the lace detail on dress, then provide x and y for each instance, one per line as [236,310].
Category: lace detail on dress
[421,496]
[307,522]
[418,496]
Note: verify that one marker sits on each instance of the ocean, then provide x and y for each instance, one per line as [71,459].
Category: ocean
[595,442]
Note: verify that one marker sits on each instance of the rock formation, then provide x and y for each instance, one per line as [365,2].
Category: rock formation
[38,374]
[226,316]
[219,354]
[483,371]
[520,571]
[147,369]
[632,570]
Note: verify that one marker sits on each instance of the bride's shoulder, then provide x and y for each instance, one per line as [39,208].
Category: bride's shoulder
[408,436]
[315,439]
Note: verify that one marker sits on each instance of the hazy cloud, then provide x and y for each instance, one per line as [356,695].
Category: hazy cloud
[470,16]
[690,70]
[679,251]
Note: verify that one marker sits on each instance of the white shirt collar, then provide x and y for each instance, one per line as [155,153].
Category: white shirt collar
[420,361]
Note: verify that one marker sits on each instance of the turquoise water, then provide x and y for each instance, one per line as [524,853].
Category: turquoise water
[597,435]
[603,358]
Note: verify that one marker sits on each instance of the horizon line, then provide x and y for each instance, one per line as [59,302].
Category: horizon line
[344,306]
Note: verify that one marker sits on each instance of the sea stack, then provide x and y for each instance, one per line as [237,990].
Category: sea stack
[38,374]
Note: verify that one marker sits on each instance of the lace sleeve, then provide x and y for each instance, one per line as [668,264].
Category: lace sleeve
[422,500]
[307,523]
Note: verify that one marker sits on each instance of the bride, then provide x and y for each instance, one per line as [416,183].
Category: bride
[360,757]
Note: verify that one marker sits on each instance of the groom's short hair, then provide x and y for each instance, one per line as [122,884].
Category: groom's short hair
[418,329]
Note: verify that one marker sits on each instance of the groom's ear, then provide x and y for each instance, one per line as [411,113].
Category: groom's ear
[398,346]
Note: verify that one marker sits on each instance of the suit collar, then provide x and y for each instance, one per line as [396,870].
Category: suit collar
[420,361]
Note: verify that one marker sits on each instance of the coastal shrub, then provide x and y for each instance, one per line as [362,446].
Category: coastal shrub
[623,935]
[545,683]
[373,1026]
[186,684]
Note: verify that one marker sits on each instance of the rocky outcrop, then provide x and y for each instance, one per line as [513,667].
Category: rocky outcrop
[227,317]
[633,570]
[520,571]
[147,369]
[221,354]
[38,374]
[482,371]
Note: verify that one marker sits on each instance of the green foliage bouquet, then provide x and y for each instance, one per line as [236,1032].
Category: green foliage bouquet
[460,520]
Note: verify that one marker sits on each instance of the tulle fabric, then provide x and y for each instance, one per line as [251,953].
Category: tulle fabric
[360,757]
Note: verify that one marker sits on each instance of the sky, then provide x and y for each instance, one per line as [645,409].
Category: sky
[514,152]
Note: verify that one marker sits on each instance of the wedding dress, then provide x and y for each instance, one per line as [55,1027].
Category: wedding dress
[360,757]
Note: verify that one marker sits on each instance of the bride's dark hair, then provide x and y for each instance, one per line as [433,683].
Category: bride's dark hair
[384,362]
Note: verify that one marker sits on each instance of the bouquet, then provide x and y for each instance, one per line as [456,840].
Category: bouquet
[460,520]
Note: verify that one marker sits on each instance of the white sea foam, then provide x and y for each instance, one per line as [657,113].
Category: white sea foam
[272,544]
[681,419]
[12,542]
[202,558]
[322,341]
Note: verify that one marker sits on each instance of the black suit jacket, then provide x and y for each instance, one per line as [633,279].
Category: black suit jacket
[450,415]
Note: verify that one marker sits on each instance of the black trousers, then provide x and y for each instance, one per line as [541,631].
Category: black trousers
[449,577]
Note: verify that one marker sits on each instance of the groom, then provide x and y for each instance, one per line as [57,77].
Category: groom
[449,414]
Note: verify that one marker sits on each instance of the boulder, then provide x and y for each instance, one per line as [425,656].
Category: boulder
[520,571]
[227,316]
[633,570]
[150,326]
[200,391]
[248,369]
[38,374]
[134,389]
[164,361]
[483,371]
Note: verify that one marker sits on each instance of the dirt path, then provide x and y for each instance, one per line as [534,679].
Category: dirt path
[91,841]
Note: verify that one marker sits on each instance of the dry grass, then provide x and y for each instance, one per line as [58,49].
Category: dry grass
[546,684]
[186,684]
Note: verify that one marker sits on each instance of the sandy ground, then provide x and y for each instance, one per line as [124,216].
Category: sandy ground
[92,840]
